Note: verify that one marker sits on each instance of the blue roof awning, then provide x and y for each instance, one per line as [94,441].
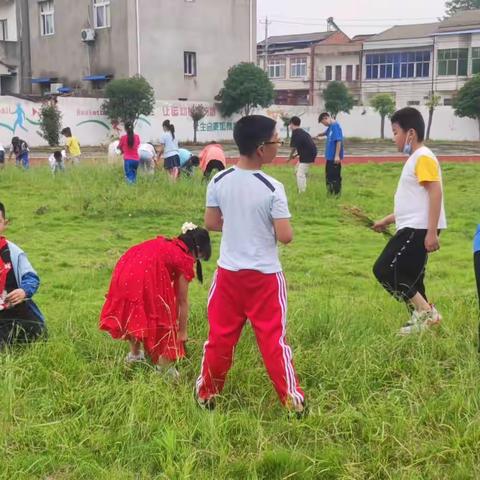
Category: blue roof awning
[43,80]
[97,78]
[64,90]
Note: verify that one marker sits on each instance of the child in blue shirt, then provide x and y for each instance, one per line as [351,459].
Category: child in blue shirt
[333,153]
[20,319]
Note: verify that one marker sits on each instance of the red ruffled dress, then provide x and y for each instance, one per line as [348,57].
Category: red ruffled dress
[141,302]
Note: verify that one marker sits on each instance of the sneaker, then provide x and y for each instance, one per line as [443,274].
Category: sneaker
[131,358]
[204,404]
[171,372]
[421,321]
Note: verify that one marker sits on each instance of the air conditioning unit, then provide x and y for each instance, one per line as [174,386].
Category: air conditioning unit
[88,35]
[55,86]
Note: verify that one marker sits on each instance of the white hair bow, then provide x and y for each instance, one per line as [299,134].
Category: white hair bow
[187,226]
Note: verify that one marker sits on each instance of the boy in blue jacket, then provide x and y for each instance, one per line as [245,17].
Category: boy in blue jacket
[20,319]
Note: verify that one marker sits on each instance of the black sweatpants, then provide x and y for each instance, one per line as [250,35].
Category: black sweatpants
[333,176]
[400,268]
[211,166]
[20,331]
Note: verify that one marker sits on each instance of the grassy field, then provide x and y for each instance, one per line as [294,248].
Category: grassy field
[382,407]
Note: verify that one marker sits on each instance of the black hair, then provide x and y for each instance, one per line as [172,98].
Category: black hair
[251,131]
[323,116]
[410,118]
[130,134]
[15,140]
[57,155]
[213,142]
[195,161]
[198,243]
[169,126]
[2,209]
[296,121]
[66,132]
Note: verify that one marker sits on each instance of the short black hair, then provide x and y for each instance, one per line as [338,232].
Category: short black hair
[2,209]
[251,131]
[410,118]
[195,160]
[295,121]
[323,116]
[57,155]
[67,132]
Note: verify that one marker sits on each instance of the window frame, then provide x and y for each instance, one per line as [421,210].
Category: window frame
[298,64]
[398,65]
[328,73]
[274,64]
[190,64]
[475,60]
[451,63]
[105,5]
[44,15]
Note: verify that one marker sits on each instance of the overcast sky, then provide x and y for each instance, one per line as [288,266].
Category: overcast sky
[352,16]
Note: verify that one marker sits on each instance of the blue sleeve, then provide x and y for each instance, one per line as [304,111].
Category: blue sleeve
[30,283]
[337,135]
[476,241]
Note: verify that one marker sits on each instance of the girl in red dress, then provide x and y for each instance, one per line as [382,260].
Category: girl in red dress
[147,303]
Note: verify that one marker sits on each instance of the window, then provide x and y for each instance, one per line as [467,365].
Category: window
[47,21]
[411,103]
[298,67]
[398,65]
[190,64]
[349,73]
[448,102]
[475,60]
[276,68]
[453,61]
[328,73]
[338,73]
[101,13]
[3,29]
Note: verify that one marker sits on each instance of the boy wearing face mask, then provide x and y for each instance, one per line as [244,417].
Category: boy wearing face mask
[419,216]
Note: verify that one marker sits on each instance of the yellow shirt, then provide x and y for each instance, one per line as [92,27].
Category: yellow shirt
[73,146]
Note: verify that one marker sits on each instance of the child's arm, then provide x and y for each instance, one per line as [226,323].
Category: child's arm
[181,287]
[382,224]
[338,149]
[213,219]
[292,154]
[283,230]
[435,195]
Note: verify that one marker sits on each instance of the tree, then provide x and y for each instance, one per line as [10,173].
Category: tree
[337,99]
[197,112]
[384,104]
[128,98]
[50,123]
[245,88]
[467,101]
[453,6]
[432,103]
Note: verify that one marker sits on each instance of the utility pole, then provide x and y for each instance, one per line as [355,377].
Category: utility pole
[265,47]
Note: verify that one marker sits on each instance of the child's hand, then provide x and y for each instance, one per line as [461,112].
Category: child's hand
[432,242]
[15,297]
[380,226]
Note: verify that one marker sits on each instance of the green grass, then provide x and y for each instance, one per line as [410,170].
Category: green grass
[382,407]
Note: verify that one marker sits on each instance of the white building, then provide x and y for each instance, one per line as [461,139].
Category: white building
[412,61]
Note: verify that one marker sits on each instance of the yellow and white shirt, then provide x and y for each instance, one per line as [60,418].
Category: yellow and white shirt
[411,199]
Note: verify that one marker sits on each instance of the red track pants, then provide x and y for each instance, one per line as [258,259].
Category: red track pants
[262,298]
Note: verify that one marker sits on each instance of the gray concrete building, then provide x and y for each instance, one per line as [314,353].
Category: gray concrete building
[184,48]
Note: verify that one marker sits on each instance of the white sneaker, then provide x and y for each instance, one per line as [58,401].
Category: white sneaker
[421,321]
[131,358]
[170,372]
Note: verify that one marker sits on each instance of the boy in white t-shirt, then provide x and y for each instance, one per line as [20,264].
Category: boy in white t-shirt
[419,215]
[57,161]
[250,208]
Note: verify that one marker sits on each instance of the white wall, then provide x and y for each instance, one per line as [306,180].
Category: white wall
[84,117]
[7,10]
